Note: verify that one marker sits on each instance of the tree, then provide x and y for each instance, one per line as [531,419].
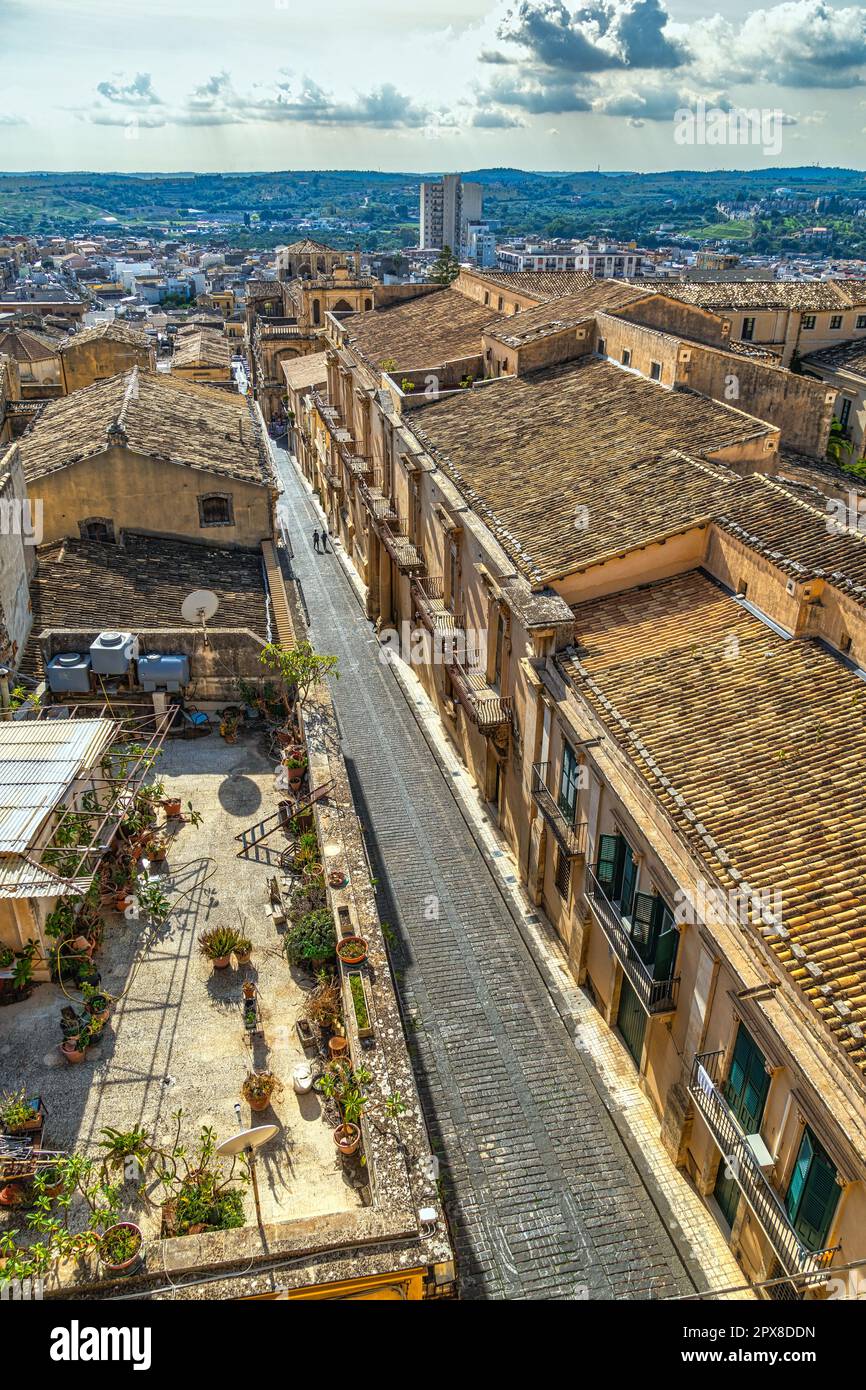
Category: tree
[445,268]
[298,668]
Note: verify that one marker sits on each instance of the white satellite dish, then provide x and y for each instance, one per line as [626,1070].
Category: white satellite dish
[199,607]
[248,1141]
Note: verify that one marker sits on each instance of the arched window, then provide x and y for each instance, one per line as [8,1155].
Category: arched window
[215,509]
[317,312]
[97,528]
[368,304]
[342,306]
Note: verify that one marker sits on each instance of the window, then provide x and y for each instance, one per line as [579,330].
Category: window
[646,916]
[844,415]
[835,320]
[317,312]
[845,643]
[808,322]
[602,348]
[626,357]
[861,320]
[215,509]
[748,1082]
[97,528]
[486,296]
[452,577]
[568,783]
[747,332]
[562,877]
[813,1193]
[496,680]
[655,371]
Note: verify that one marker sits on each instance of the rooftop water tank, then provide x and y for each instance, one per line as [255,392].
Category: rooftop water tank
[69,673]
[112,652]
[158,672]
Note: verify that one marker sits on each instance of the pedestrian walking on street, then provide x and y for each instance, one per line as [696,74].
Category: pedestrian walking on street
[325,539]
[316,542]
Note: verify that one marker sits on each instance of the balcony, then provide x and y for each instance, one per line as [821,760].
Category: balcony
[742,1162]
[405,554]
[428,595]
[359,465]
[332,477]
[571,838]
[486,707]
[655,996]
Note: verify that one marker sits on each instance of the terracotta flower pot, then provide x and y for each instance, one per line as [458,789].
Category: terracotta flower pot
[243,957]
[338,1046]
[12,1195]
[258,1102]
[122,900]
[352,950]
[347,1138]
[337,879]
[124,1264]
[72,1052]
[220,962]
[172,807]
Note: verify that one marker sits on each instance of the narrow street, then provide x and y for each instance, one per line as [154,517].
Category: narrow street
[543,1197]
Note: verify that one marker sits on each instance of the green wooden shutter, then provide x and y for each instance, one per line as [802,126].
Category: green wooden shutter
[628,879]
[748,1083]
[605,869]
[643,912]
[666,941]
[568,783]
[813,1193]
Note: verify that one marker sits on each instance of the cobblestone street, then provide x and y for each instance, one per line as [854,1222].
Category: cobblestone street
[544,1198]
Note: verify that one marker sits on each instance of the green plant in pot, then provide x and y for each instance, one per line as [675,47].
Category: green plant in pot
[311,941]
[120,1246]
[259,1087]
[243,950]
[96,1002]
[19,1113]
[347,1085]
[218,944]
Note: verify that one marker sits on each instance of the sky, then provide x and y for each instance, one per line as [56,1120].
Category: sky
[233,85]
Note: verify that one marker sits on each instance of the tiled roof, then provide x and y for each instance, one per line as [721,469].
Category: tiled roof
[564,313]
[746,741]
[849,356]
[540,284]
[527,451]
[201,347]
[86,585]
[26,346]
[807,296]
[115,332]
[152,413]
[422,332]
[301,372]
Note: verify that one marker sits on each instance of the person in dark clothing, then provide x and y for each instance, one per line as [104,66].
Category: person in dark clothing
[316,542]
[325,539]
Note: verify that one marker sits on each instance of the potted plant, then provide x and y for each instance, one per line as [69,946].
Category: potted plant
[74,1048]
[295,770]
[157,849]
[258,1089]
[306,851]
[352,950]
[243,950]
[249,989]
[172,806]
[217,945]
[323,1004]
[229,725]
[120,1246]
[336,878]
[346,1085]
[358,992]
[96,1002]
[20,1113]
[311,940]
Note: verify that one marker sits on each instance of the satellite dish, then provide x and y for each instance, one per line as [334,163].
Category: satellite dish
[247,1139]
[199,606]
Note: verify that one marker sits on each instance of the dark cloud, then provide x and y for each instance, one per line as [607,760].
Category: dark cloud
[605,35]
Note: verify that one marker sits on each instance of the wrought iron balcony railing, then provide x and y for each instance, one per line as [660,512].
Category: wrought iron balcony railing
[656,996]
[428,595]
[485,706]
[743,1166]
[571,837]
[405,554]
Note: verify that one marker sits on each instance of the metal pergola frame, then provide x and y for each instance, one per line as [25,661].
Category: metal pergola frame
[127,730]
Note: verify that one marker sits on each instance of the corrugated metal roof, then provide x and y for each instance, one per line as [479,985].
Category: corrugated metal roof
[20,878]
[39,760]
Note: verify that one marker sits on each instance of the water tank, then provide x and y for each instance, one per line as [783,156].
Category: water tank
[69,673]
[157,672]
[112,652]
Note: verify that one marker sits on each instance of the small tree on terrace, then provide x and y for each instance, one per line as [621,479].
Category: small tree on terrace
[298,669]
